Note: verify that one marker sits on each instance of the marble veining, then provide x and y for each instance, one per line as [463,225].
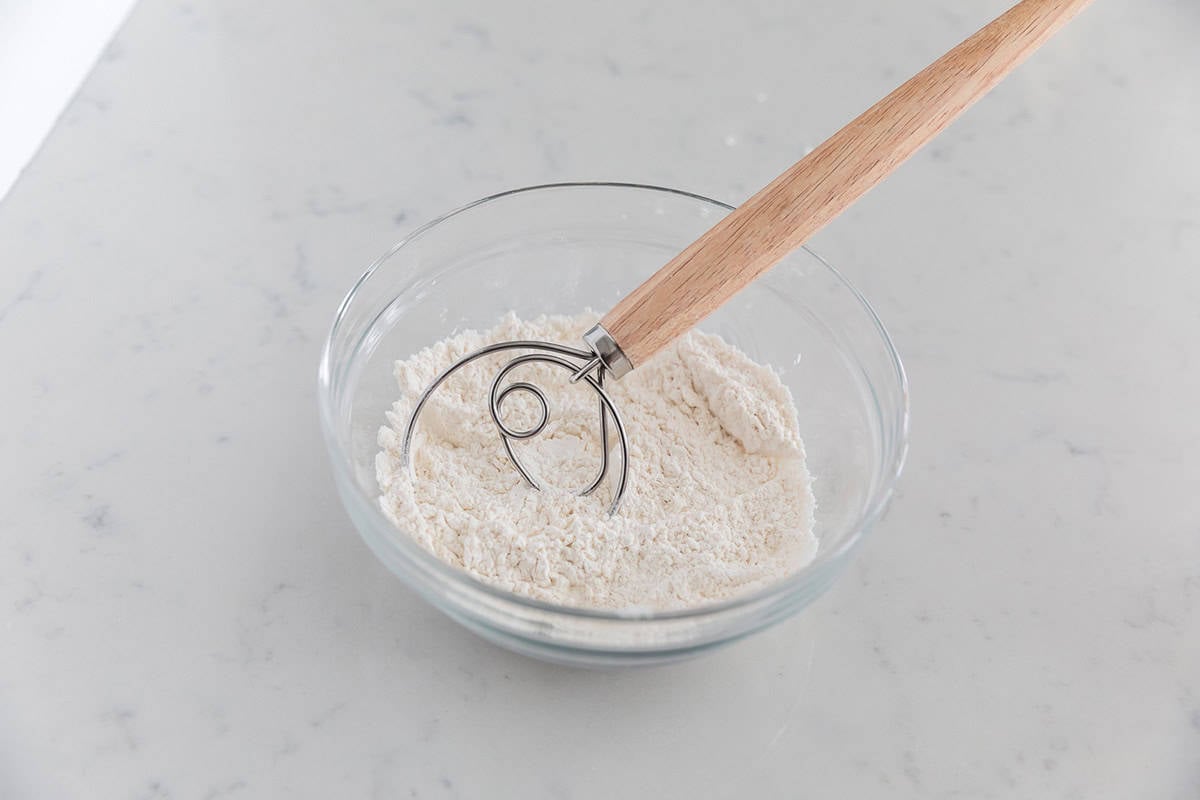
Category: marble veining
[187,613]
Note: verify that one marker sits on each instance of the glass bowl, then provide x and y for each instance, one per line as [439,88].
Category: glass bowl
[568,247]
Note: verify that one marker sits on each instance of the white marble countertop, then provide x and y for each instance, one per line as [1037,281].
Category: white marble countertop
[187,613]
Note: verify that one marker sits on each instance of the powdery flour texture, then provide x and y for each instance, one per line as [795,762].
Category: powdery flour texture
[719,499]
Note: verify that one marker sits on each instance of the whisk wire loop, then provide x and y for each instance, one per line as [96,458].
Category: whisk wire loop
[579,364]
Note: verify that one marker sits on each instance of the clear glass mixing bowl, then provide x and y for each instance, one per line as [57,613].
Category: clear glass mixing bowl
[566,247]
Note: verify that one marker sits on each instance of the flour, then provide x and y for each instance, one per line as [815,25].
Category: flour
[719,500]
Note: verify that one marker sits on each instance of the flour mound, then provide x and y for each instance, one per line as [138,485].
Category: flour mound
[719,500]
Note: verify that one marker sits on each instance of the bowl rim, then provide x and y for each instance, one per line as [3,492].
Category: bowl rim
[824,561]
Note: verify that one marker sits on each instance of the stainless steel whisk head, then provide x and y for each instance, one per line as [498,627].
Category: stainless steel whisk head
[580,363]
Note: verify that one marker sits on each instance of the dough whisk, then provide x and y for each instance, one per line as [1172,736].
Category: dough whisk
[760,232]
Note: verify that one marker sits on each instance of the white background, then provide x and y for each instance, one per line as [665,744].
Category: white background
[46,49]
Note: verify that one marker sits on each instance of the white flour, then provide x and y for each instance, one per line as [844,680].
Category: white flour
[719,500]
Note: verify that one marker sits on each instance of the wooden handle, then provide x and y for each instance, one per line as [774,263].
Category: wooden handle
[798,203]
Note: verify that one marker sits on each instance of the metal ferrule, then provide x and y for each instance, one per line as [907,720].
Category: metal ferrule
[606,349]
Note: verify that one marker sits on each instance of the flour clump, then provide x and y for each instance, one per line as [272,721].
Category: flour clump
[719,499]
